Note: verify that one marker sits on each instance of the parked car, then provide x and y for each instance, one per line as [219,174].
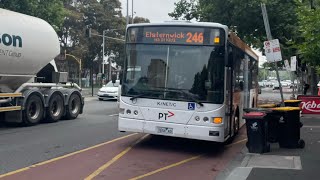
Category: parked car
[109,91]
[276,85]
[285,83]
[261,84]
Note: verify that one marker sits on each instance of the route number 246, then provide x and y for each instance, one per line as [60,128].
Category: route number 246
[194,38]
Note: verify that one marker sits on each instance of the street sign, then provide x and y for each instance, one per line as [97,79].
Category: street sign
[293,63]
[286,63]
[272,50]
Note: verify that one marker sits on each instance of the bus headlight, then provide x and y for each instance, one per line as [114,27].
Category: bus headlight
[217,120]
[197,118]
[128,111]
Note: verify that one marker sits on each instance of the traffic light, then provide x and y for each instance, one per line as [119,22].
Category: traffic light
[88,32]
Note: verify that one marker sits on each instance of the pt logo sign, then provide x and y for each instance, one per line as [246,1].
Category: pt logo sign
[165,116]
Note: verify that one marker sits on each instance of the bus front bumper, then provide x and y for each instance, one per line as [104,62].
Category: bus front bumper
[170,129]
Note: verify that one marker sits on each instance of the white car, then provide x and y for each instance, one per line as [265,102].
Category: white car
[285,83]
[109,91]
[276,85]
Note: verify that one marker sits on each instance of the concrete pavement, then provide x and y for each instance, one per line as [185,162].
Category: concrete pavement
[285,164]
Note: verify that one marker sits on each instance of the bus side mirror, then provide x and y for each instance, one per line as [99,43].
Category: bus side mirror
[113,78]
[229,59]
[121,76]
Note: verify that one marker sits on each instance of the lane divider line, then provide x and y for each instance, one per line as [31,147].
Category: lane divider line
[114,159]
[167,167]
[310,126]
[238,142]
[179,163]
[64,156]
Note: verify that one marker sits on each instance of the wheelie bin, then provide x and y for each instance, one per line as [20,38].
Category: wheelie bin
[273,122]
[267,105]
[292,103]
[257,131]
[289,127]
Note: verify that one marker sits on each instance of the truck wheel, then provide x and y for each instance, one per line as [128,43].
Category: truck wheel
[33,112]
[55,108]
[74,106]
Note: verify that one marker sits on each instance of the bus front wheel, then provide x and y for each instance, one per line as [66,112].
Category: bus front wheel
[236,124]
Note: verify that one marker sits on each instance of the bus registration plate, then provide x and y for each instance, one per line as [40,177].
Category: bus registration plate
[164,130]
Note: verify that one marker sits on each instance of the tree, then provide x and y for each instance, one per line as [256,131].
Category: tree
[51,11]
[245,18]
[138,19]
[309,26]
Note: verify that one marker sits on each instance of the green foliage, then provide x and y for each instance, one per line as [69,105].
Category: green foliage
[245,18]
[138,19]
[185,10]
[70,18]
[51,11]
[309,26]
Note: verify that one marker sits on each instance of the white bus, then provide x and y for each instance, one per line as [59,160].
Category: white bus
[192,80]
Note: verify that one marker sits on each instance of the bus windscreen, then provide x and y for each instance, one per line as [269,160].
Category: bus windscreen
[176,35]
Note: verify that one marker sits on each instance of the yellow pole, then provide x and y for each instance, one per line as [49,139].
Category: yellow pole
[80,66]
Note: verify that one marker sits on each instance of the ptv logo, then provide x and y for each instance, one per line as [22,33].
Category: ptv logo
[165,115]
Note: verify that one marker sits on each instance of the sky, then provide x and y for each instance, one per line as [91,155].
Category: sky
[157,11]
[154,10]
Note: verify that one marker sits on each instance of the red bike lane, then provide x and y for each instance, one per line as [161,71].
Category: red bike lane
[138,156]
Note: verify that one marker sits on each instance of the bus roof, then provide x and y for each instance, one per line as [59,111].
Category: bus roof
[182,23]
[235,40]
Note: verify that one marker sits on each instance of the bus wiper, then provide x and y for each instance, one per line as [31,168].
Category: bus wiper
[141,94]
[137,96]
[189,95]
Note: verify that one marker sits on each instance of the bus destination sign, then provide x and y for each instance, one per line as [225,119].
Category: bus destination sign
[175,35]
[184,37]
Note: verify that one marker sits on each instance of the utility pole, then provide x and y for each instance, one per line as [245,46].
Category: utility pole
[127,12]
[267,27]
[103,42]
[132,12]
[109,68]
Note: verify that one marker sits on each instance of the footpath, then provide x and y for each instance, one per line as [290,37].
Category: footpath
[281,163]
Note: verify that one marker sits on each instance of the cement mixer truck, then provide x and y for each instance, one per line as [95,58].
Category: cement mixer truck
[31,88]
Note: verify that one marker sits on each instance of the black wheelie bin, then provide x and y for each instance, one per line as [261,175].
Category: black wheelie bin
[289,127]
[292,103]
[257,131]
[273,122]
